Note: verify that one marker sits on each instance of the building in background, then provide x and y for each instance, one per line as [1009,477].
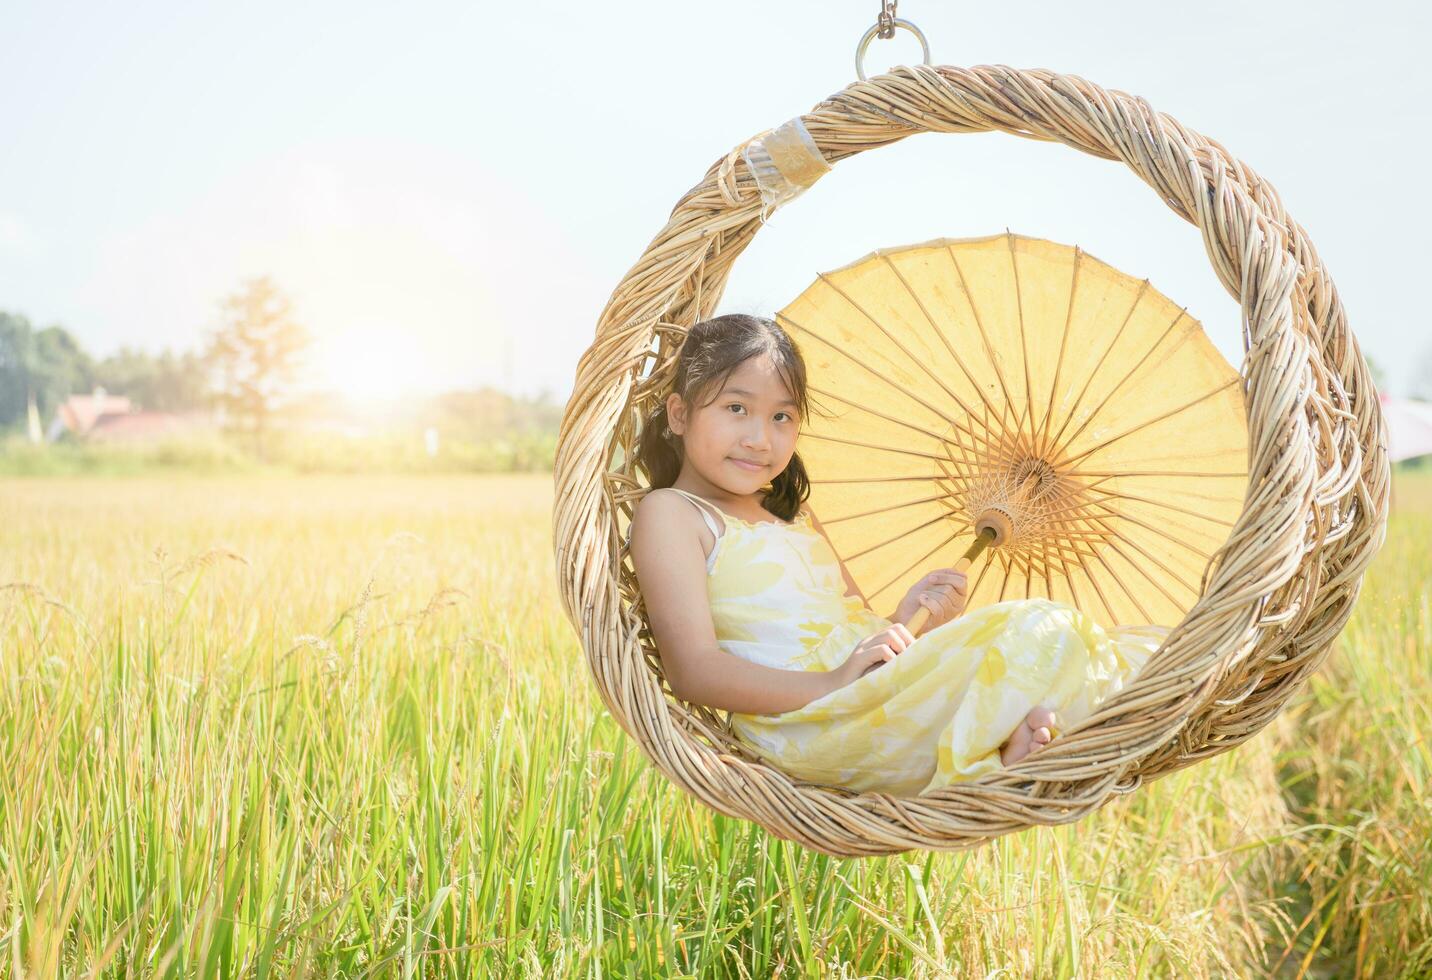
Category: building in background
[1409,427]
[102,417]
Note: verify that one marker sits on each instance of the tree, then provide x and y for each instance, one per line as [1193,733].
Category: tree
[166,383]
[61,368]
[17,343]
[1379,376]
[254,356]
[48,364]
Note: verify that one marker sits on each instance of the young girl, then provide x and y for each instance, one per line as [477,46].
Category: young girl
[754,613]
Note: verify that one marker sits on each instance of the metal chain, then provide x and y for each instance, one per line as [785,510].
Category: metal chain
[887,19]
[884,27]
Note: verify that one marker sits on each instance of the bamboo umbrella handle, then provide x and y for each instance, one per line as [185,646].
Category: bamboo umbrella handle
[986,536]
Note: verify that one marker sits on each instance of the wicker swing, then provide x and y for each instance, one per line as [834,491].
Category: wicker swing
[1275,596]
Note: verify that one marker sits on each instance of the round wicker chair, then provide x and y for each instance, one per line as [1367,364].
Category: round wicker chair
[1273,599]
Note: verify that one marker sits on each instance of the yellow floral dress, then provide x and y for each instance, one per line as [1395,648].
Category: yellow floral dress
[934,715]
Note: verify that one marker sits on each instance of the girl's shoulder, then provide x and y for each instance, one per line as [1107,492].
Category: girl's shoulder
[668,510]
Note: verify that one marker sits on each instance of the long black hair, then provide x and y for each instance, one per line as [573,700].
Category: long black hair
[711,351]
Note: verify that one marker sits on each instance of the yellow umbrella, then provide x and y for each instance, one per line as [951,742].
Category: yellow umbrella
[1018,404]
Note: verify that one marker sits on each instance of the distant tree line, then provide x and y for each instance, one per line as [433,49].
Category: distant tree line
[245,374]
[247,367]
[51,365]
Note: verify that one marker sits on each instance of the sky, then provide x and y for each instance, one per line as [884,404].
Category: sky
[450,192]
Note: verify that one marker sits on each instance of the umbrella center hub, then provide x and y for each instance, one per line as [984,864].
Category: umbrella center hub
[1052,517]
[1035,479]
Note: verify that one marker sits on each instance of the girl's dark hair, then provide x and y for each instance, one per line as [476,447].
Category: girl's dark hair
[711,351]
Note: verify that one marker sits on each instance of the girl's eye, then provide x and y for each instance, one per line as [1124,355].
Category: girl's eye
[788,415]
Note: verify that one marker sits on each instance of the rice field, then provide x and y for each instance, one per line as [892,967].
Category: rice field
[339,727]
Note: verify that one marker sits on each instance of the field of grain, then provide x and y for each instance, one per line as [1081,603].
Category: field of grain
[339,726]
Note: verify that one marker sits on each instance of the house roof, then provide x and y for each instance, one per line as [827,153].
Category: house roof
[1409,427]
[139,425]
[79,412]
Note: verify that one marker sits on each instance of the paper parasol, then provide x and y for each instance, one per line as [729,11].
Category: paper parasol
[1022,409]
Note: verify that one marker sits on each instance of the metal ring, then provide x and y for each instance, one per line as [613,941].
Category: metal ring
[870,34]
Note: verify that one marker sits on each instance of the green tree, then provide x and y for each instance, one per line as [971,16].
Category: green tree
[1379,376]
[254,357]
[61,368]
[48,363]
[167,382]
[17,343]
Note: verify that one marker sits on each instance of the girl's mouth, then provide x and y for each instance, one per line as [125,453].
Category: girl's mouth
[753,467]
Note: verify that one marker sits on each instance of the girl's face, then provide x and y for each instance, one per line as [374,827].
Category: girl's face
[745,437]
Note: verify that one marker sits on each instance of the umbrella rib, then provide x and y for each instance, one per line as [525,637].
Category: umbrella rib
[1067,570]
[1045,564]
[1130,373]
[1124,516]
[1156,583]
[902,534]
[1074,507]
[1148,422]
[915,562]
[871,445]
[1016,564]
[963,478]
[1159,562]
[1115,495]
[884,510]
[918,362]
[1113,536]
[889,418]
[1242,474]
[1103,600]
[1062,548]
[1127,591]
[1062,554]
[1023,343]
[1079,399]
[1027,561]
[943,339]
[1108,534]
[1128,468]
[1084,534]
[989,349]
[1008,447]
[989,560]
[1094,553]
[1043,438]
[858,361]
[868,479]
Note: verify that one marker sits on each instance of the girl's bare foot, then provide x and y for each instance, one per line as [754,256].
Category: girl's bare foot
[1036,730]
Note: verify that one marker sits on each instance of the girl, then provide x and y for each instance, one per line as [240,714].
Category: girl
[754,613]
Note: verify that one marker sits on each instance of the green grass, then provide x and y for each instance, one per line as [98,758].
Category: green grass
[319,726]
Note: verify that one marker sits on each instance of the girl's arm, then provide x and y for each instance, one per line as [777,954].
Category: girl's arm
[671,570]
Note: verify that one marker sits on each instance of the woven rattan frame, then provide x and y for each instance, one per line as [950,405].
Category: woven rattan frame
[1273,600]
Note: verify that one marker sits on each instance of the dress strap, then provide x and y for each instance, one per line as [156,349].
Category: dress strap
[701,505]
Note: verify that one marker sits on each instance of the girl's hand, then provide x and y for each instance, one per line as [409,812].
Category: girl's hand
[944,592]
[870,653]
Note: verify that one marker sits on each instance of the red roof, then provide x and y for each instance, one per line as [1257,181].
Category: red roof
[140,425]
[79,412]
